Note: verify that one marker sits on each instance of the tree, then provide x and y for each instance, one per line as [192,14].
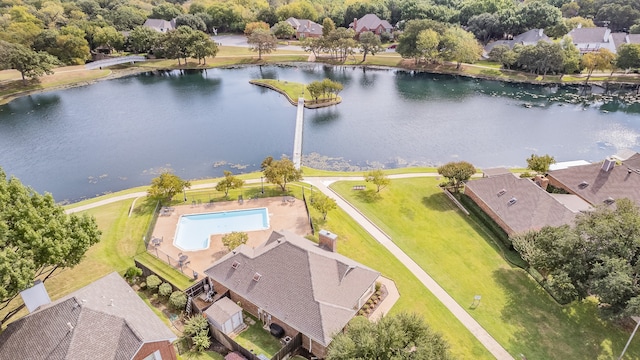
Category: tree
[460,46]
[29,63]
[427,44]
[202,341]
[178,300]
[323,204]
[143,39]
[201,46]
[538,14]
[540,163]
[165,289]
[597,60]
[166,11]
[132,274]
[126,17]
[340,43]
[193,21]
[37,238]
[485,27]
[457,172]
[252,26]
[71,47]
[369,43]
[283,30]
[229,182]
[598,256]
[570,56]
[327,26]
[280,172]
[401,336]
[234,239]
[166,186]
[195,324]
[109,37]
[262,41]
[378,178]
[628,56]
[619,17]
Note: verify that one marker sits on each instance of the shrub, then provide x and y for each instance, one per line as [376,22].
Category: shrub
[132,274]
[178,300]
[153,282]
[195,325]
[202,340]
[165,289]
[143,285]
[386,37]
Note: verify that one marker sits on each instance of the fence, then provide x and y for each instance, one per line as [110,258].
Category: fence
[147,235]
[179,264]
[288,348]
[306,207]
[230,344]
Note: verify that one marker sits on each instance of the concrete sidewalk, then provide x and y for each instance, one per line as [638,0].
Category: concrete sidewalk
[470,323]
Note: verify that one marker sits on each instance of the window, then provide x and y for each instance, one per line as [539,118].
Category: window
[256,277]
[512,201]
[583,185]
[235,264]
[502,192]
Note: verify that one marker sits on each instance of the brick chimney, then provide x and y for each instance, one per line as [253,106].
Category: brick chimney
[355,24]
[327,240]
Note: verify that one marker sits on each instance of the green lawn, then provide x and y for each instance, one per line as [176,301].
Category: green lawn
[293,90]
[356,243]
[460,255]
[258,340]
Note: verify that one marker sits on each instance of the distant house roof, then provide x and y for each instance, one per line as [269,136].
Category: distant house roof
[234,356]
[530,37]
[519,203]
[86,323]
[495,171]
[370,22]
[592,39]
[160,25]
[313,290]
[304,26]
[597,186]
[567,164]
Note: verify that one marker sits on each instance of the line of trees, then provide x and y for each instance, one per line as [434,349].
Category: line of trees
[326,88]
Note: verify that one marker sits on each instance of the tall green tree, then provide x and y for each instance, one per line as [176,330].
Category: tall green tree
[109,37]
[408,42]
[229,182]
[166,186]
[457,173]
[262,41]
[280,172]
[29,63]
[327,26]
[427,44]
[460,46]
[143,39]
[201,46]
[166,11]
[378,178]
[628,56]
[283,30]
[394,337]
[369,43]
[37,238]
[601,60]
[323,204]
[540,163]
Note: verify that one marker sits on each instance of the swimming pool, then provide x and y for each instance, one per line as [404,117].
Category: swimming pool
[194,231]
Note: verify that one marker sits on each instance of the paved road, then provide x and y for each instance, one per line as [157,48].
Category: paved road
[322,183]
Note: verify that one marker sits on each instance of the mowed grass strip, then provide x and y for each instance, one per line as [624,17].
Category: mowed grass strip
[355,243]
[462,257]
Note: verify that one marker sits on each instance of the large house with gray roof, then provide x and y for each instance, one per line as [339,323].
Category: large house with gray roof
[520,205]
[288,280]
[596,38]
[601,183]
[530,37]
[103,320]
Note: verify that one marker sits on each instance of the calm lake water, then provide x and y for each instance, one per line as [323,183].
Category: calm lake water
[116,134]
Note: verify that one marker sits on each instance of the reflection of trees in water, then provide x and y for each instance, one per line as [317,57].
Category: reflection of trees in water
[368,78]
[31,103]
[341,74]
[323,116]
[420,86]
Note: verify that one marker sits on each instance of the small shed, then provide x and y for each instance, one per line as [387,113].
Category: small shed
[225,315]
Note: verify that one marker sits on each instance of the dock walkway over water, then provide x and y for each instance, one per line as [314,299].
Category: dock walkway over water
[297,140]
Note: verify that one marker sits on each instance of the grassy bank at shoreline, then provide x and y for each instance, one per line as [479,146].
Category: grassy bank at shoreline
[11,86]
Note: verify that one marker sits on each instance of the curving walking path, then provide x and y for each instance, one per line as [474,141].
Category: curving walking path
[322,183]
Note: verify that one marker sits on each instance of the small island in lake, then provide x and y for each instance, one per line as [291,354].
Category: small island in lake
[316,95]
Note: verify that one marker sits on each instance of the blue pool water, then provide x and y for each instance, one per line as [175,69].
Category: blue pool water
[193,231]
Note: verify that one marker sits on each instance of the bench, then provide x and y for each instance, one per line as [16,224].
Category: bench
[359,187]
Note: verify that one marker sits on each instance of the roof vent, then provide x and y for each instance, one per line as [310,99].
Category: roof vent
[70,327]
[608,164]
[235,264]
[502,192]
[583,185]
[256,277]
[512,201]
[609,200]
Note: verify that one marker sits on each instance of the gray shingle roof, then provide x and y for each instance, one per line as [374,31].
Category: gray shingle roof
[530,37]
[222,310]
[370,22]
[160,24]
[311,289]
[532,209]
[616,183]
[589,35]
[305,26]
[84,325]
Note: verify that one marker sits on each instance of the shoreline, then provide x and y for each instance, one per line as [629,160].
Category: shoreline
[404,64]
[295,103]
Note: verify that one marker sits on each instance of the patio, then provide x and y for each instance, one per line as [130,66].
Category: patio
[283,215]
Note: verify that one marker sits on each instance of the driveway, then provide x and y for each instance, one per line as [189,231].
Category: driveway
[241,41]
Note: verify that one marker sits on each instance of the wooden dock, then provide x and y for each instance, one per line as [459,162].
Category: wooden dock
[297,140]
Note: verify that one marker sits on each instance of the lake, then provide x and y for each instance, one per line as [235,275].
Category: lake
[115,134]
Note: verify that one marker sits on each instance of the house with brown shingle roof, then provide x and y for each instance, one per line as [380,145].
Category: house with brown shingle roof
[602,182]
[519,205]
[103,320]
[305,28]
[370,22]
[292,282]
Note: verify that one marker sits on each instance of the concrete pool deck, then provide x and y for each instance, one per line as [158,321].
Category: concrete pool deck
[287,215]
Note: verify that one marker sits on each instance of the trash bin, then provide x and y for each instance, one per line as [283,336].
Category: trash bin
[195,275]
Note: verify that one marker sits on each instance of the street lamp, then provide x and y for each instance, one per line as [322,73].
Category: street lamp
[184,193]
[262,183]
